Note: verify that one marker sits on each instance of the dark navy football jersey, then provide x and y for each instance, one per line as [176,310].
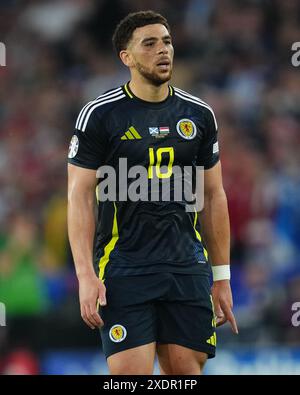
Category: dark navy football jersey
[146,235]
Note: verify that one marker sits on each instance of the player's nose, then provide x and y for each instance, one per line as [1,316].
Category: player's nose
[163,49]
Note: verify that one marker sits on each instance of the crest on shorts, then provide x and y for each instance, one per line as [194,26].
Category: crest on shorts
[117,333]
[186,129]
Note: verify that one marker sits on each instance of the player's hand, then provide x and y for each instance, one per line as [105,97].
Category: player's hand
[222,300]
[91,293]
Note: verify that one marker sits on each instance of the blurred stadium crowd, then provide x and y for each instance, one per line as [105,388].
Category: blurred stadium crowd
[235,55]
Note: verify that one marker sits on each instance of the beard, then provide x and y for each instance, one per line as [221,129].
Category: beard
[152,76]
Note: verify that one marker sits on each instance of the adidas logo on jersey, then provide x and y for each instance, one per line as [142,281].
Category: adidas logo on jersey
[131,134]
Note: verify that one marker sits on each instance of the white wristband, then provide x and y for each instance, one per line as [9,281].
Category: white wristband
[221,272]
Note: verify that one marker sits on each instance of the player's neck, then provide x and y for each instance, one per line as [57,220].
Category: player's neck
[148,92]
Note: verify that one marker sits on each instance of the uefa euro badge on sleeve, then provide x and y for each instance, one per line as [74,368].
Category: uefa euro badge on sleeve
[73,147]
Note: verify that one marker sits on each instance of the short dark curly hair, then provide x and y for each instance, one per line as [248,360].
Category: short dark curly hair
[124,30]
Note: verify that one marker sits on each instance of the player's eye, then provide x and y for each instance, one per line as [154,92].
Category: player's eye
[149,44]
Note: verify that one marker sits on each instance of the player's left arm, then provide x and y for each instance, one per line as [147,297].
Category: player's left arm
[215,228]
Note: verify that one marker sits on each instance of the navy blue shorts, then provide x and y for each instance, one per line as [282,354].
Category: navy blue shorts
[164,308]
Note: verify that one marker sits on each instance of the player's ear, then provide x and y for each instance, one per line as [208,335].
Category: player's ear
[126,58]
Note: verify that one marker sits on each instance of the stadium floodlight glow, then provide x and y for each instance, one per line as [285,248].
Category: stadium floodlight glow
[2,54]
[2,314]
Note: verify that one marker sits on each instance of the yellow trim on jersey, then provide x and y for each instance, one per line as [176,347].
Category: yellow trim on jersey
[109,247]
[214,320]
[198,235]
[97,194]
[127,91]
[213,339]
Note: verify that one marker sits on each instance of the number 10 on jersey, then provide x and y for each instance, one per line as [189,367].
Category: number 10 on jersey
[155,159]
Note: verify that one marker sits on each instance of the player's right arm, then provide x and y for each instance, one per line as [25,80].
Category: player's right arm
[86,154]
[81,228]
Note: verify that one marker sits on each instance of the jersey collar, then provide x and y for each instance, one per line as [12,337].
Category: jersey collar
[128,92]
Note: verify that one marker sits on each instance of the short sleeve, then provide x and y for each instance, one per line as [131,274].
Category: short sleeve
[88,146]
[208,153]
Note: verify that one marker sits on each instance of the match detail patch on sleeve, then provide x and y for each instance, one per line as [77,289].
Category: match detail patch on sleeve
[215,148]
